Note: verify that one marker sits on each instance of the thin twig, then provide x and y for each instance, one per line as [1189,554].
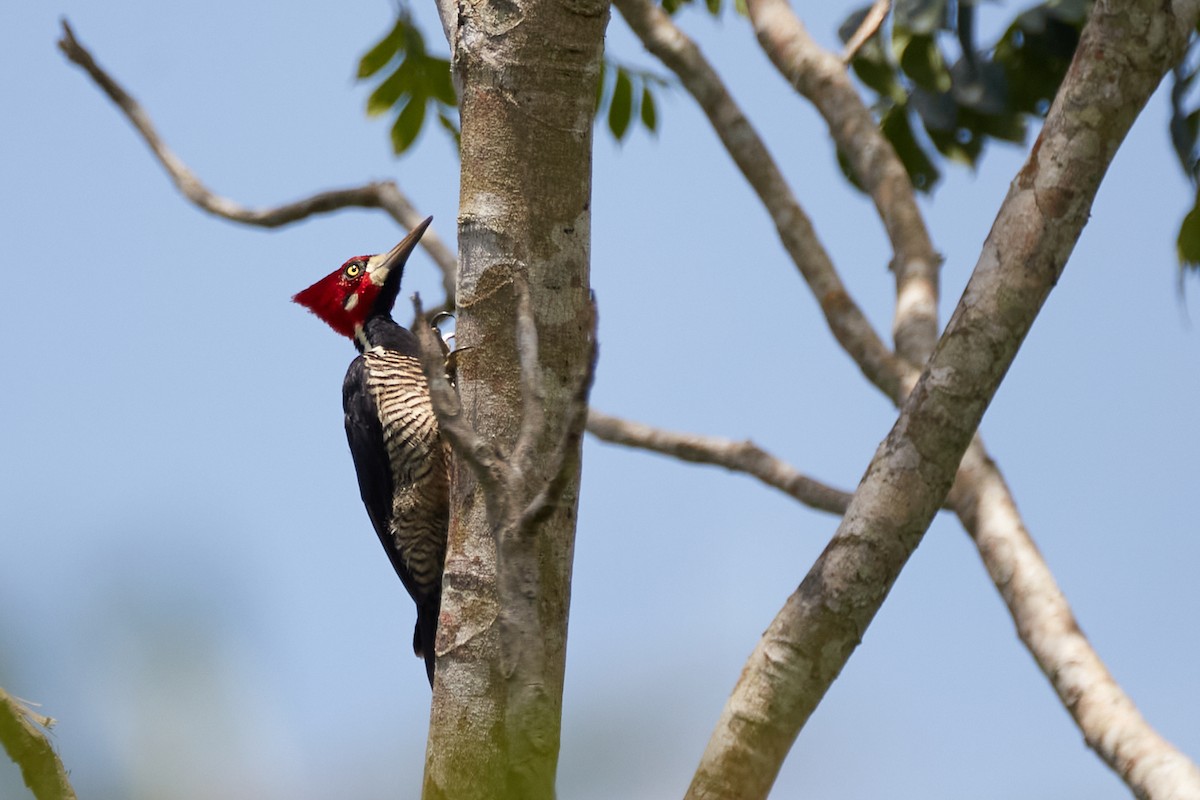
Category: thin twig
[383,195]
[876,14]
[744,456]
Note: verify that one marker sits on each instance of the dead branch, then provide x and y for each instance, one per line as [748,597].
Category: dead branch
[744,456]
[383,195]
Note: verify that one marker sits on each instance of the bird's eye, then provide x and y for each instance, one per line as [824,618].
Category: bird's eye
[353,270]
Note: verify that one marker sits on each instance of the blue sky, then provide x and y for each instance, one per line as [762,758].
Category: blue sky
[189,584]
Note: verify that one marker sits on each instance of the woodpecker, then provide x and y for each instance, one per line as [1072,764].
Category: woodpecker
[399,455]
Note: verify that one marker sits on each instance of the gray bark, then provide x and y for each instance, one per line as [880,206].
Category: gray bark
[527,74]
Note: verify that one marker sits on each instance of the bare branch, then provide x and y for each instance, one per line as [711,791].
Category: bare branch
[744,456]
[821,77]
[823,80]
[1123,53]
[545,501]
[846,320]
[533,399]
[383,195]
[1111,724]
[876,14]
[27,746]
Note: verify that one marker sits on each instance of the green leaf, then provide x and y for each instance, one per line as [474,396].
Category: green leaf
[382,52]
[387,94]
[981,86]
[440,82]
[414,40]
[671,6]
[937,110]
[921,16]
[1008,127]
[1184,125]
[621,109]
[714,7]
[1035,52]
[922,61]
[1188,243]
[408,124]
[649,113]
[958,144]
[921,171]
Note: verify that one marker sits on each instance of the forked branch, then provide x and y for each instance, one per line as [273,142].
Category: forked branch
[1124,52]
[819,77]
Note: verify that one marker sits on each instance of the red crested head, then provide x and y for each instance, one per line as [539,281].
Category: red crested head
[363,287]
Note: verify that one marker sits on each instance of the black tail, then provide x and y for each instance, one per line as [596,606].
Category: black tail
[425,633]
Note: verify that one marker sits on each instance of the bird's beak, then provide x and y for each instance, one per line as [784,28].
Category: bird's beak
[378,267]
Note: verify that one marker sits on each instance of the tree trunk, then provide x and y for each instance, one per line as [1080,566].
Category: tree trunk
[527,74]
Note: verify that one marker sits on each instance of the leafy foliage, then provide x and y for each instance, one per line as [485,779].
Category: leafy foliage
[938,94]
[419,86]
[417,81]
[931,104]
[622,90]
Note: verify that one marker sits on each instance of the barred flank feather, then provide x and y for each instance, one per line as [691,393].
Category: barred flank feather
[418,463]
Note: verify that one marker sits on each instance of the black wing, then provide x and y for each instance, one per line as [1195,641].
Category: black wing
[364,433]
